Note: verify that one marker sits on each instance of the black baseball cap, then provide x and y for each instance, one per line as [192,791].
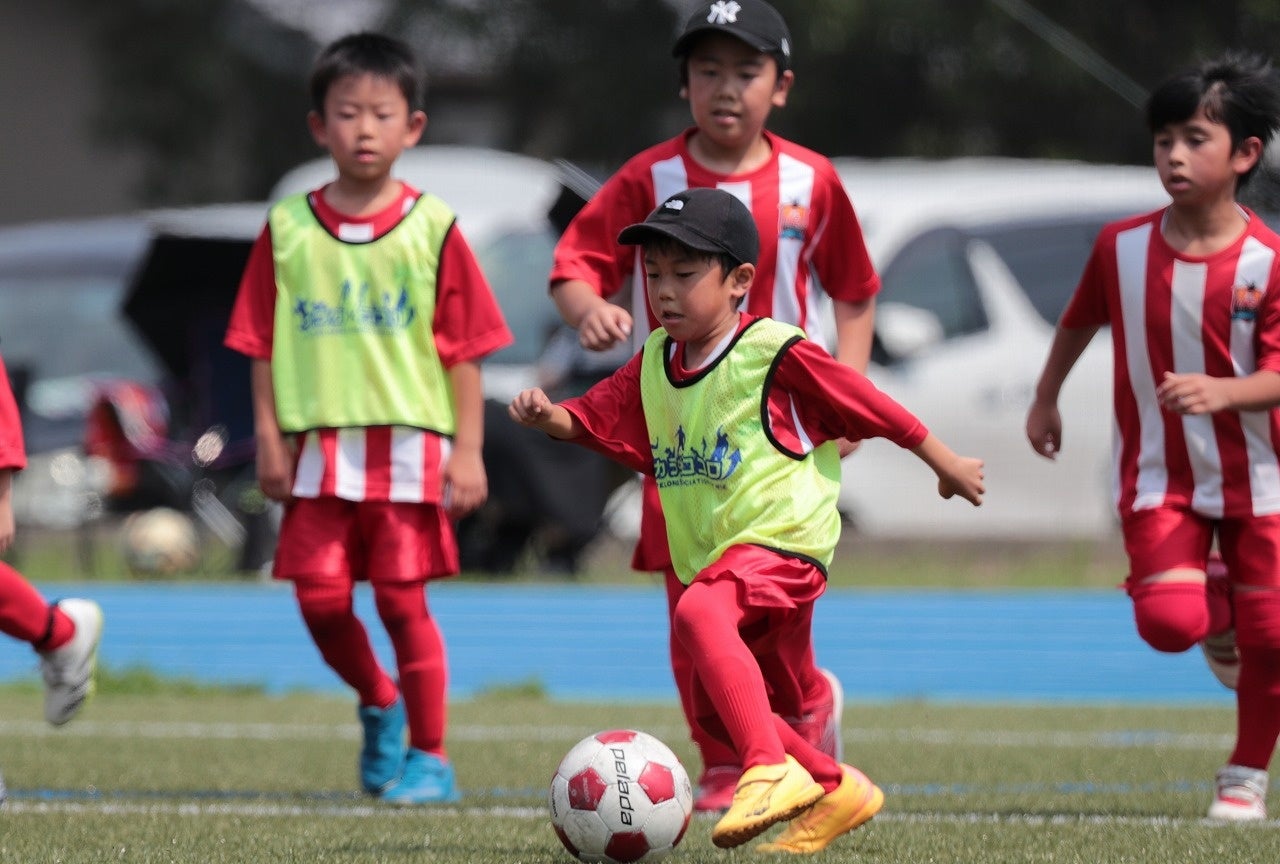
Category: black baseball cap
[709,220]
[753,21]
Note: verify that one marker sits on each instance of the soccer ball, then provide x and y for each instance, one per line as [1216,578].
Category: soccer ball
[159,542]
[620,796]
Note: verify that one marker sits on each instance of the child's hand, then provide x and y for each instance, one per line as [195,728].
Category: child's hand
[466,486]
[1192,394]
[1044,429]
[604,326]
[530,408]
[275,468]
[963,477]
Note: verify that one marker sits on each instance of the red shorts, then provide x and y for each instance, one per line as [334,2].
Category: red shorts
[1168,538]
[777,594]
[378,541]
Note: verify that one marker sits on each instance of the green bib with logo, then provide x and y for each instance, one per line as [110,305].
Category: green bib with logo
[724,480]
[353,340]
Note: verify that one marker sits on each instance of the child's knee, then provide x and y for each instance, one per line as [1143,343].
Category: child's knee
[1171,616]
[1258,618]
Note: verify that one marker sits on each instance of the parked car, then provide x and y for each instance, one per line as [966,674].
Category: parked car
[978,258]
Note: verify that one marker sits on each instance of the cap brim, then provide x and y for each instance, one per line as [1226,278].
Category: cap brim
[642,232]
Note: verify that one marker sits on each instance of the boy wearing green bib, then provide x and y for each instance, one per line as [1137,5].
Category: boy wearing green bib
[737,418]
[366,317]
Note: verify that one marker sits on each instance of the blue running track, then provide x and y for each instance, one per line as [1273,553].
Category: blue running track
[609,643]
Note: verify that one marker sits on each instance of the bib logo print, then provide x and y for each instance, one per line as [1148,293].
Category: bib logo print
[358,310]
[684,465]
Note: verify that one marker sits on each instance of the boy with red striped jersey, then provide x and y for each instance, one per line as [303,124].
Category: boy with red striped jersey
[814,269]
[737,419]
[1192,296]
[366,317]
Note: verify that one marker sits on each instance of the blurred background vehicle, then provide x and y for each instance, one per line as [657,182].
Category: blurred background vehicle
[978,258]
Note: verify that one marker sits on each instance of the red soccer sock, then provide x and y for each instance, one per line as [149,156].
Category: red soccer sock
[26,615]
[824,769]
[706,622]
[1257,707]
[343,642]
[420,660]
[714,752]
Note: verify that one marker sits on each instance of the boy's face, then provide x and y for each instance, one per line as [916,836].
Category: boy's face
[365,126]
[1196,161]
[690,293]
[732,88]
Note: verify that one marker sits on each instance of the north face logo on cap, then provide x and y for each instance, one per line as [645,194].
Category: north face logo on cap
[723,12]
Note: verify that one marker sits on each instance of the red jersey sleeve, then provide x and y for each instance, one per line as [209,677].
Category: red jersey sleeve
[1088,305]
[833,401]
[252,325]
[612,418]
[468,323]
[840,260]
[13,454]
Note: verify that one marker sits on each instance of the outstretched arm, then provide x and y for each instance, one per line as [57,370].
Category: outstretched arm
[1044,423]
[533,408]
[957,475]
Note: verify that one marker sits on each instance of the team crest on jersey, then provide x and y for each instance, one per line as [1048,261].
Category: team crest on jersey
[793,219]
[1245,300]
[681,464]
[358,310]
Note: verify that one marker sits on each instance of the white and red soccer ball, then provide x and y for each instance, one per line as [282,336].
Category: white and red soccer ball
[620,796]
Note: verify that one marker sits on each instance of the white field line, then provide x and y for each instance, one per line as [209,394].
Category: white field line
[266,810]
[310,732]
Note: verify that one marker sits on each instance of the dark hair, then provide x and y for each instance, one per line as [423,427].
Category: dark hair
[1238,90]
[672,246]
[366,54]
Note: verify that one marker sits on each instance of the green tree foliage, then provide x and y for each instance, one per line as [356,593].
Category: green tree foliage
[214,92]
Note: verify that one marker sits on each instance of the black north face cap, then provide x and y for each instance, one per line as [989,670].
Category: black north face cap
[709,220]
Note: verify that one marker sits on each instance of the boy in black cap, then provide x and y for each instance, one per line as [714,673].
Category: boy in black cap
[735,68]
[737,419]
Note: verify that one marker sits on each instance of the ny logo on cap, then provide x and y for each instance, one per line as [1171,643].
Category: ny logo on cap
[674,204]
[723,12]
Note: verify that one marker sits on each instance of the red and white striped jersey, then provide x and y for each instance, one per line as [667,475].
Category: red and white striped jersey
[811,246]
[1217,315]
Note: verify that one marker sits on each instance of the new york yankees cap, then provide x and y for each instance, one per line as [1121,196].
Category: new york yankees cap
[753,21]
[709,220]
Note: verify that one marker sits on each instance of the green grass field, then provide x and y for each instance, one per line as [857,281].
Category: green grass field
[162,773]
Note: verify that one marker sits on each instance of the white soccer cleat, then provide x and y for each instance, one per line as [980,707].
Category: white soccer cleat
[68,671]
[1241,795]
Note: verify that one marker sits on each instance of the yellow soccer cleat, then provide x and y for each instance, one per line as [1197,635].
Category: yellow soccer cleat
[765,796]
[841,810]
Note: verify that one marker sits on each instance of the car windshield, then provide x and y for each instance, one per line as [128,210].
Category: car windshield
[1046,259]
[59,334]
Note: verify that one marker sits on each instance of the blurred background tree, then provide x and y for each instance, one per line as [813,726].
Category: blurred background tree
[213,93]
